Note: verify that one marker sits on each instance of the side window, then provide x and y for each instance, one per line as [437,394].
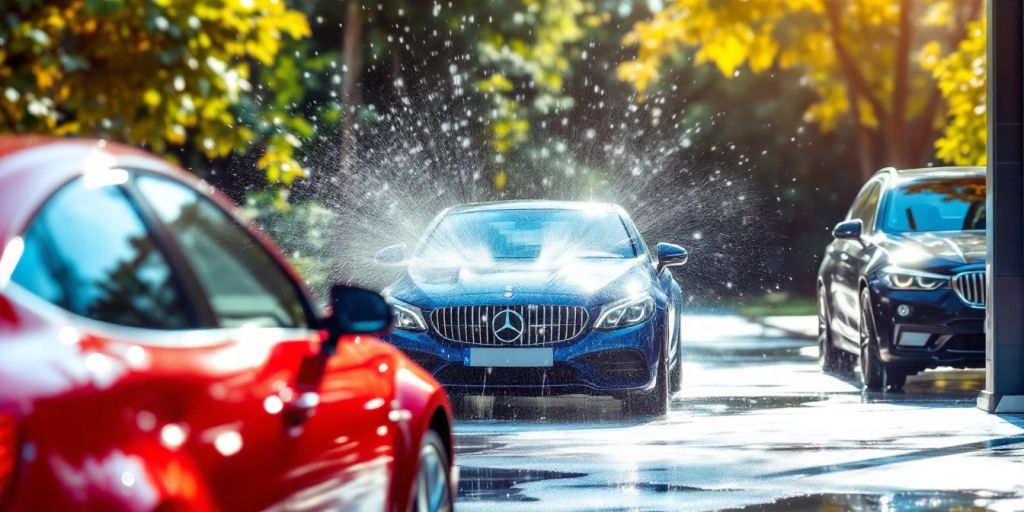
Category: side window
[871,207]
[866,206]
[89,252]
[241,280]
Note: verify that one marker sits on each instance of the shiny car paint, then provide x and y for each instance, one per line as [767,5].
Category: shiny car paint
[590,284]
[111,417]
[955,328]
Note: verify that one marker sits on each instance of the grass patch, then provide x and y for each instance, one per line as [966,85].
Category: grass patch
[778,304]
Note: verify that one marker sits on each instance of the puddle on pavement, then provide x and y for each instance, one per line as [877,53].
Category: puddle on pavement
[466,444]
[935,388]
[500,484]
[711,357]
[981,447]
[582,411]
[652,487]
[895,502]
[714,406]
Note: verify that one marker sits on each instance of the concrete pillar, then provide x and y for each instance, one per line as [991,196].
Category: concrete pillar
[1004,322]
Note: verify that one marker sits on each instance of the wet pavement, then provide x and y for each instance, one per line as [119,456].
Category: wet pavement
[756,427]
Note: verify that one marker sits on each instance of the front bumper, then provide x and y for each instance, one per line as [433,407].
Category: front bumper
[613,362]
[941,330]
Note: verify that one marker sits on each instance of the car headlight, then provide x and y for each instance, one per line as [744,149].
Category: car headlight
[625,312]
[405,316]
[905,279]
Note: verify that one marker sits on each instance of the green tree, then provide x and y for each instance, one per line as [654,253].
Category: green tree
[154,73]
[866,59]
[525,59]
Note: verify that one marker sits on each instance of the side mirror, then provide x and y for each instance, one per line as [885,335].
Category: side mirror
[671,255]
[848,230]
[390,255]
[356,311]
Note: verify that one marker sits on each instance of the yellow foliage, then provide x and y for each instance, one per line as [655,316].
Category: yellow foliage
[500,180]
[555,25]
[801,35]
[496,83]
[961,78]
[151,72]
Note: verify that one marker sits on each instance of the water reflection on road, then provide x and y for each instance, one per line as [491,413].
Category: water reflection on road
[756,425]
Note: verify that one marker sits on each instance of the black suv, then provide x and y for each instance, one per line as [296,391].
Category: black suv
[902,286]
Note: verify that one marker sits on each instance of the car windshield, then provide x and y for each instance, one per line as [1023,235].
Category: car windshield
[528,234]
[947,204]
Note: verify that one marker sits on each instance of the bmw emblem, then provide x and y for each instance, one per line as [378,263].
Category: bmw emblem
[507,326]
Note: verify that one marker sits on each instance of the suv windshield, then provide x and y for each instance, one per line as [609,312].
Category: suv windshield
[947,204]
[534,234]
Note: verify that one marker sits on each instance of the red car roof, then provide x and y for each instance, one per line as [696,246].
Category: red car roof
[34,167]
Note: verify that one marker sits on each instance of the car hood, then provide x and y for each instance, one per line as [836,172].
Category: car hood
[960,247]
[423,282]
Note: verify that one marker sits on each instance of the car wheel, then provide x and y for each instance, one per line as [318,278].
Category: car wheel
[653,402]
[676,378]
[874,373]
[432,491]
[676,375]
[831,358]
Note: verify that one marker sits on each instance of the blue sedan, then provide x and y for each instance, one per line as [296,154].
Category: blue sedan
[541,298]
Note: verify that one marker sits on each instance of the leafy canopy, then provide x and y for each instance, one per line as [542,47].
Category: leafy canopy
[961,78]
[529,55]
[867,60]
[153,73]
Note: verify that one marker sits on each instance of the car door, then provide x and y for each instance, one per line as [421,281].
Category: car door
[851,257]
[278,423]
[100,289]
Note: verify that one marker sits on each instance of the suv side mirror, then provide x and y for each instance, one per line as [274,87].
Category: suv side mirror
[849,230]
[356,311]
[390,255]
[671,255]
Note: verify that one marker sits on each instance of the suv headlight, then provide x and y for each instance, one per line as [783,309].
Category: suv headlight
[625,312]
[905,279]
[405,316]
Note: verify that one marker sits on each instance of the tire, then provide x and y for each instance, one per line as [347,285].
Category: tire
[432,489]
[874,373]
[653,402]
[831,358]
[676,375]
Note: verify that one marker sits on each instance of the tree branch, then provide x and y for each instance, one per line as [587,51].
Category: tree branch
[902,68]
[923,126]
[854,78]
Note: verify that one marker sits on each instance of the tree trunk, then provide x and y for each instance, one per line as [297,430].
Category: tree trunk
[864,148]
[896,136]
[352,61]
[857,88]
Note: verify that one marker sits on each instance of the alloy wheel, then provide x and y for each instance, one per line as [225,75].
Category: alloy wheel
[433,484]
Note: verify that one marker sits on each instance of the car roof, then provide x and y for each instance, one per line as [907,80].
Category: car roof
[32,168]
[535,204]
[935,172]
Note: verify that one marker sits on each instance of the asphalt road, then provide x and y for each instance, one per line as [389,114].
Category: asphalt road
[756,427]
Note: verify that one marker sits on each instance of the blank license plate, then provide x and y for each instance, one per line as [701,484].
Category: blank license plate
[511,357]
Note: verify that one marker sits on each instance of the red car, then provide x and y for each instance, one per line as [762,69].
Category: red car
[157,354]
